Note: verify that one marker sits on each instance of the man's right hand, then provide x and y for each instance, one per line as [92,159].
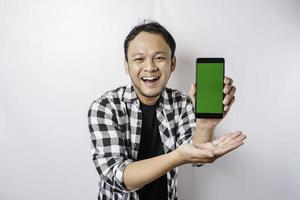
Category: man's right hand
[141,172]
[210,151]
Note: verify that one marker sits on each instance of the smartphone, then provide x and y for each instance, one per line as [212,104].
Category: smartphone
[210,74]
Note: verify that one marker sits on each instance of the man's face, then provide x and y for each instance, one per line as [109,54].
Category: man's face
[149,65]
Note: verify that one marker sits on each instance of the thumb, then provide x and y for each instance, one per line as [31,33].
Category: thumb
[192,92]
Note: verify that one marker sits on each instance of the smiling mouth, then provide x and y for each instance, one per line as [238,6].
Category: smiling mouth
[150,79]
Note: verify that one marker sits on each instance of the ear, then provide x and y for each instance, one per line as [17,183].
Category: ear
[173,64]
[126,66]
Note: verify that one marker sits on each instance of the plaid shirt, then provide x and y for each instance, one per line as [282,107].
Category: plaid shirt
[115,124]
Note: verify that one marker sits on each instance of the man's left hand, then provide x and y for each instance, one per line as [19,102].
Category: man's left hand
[229,91]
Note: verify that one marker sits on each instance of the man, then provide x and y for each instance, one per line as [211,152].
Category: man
[142,132]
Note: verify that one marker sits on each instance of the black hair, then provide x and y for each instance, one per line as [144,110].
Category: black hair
[150,26]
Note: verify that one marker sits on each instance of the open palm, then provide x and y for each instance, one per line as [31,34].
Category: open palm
[208,152]
[224,144]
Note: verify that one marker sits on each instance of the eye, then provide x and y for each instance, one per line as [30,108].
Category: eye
[138,59]
[160,58]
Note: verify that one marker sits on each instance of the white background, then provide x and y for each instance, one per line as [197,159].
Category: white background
[57,56]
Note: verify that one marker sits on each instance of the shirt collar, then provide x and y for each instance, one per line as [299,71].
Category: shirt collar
[131,97]
[129,94]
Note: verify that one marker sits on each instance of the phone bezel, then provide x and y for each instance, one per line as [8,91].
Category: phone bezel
[210,115]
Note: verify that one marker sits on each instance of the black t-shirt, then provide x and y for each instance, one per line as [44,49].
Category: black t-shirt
[151,146]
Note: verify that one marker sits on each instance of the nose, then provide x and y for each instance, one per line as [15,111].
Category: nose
[150,66]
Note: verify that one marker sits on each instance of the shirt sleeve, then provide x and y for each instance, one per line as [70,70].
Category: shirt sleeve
[108,146]
[186,123]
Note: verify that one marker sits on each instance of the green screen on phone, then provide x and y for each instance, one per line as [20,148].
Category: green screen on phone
[209,84]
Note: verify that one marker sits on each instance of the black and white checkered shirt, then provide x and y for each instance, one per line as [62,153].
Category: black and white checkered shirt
[115,124]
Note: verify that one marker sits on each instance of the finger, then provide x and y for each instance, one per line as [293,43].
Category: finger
[232,137]
[225,113]
[227,149]
[229,96]
[227,89]
[232,91]
[221,139]
[192,91]
[229,138]
[228,106]
[194,86]
[228,80]
[238,139]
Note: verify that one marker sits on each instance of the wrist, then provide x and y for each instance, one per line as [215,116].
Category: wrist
[176,158]
[204,127]
[203,134]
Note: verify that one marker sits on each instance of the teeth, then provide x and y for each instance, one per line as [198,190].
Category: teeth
[150,78]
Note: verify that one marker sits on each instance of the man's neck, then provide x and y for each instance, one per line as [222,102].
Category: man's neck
[148,100]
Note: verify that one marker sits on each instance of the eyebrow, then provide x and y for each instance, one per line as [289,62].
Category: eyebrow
[136,54]
[159,52]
